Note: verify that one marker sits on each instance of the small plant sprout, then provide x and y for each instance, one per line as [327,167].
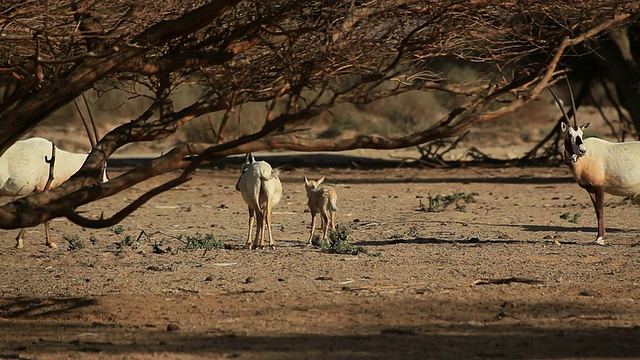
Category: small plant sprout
[118,229]
[440,202]
[75,243]
[412,232]
[572,219]
[128,242]
[133,243]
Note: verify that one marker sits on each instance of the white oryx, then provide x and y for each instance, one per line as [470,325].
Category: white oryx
[25,167]
[261,189]
[600,166]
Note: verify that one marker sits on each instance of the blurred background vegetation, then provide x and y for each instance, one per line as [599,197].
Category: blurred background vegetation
[393,116]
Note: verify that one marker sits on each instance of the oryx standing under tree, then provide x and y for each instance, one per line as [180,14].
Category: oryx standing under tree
[600,166]
[261,189]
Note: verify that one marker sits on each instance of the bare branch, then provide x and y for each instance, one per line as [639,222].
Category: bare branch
[312,54]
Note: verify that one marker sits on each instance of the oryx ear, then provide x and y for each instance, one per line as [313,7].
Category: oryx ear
[306,181]
[249,159]
[320,180]
[563,126]
[585,126]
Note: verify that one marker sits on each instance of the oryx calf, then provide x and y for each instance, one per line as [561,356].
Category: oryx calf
[322,200]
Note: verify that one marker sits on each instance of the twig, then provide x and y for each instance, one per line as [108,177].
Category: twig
[381,288]
[96,137]
[506,281]
[85,123]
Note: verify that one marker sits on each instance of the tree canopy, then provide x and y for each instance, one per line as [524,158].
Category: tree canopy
[307,55]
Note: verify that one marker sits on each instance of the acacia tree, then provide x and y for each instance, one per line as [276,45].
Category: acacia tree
[310,55]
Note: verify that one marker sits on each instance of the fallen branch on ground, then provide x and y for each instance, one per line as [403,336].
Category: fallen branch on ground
[506,281]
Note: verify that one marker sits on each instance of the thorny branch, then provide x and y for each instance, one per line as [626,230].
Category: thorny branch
[310,55]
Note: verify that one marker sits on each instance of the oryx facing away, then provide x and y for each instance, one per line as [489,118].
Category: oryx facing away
[600,166]
[322,200]
[261,189]
[25,168]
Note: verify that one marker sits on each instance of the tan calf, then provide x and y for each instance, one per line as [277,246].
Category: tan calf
[323,200]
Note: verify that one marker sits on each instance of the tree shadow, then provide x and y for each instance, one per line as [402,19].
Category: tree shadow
[475,240]
[23,307]
[498,338]
[538,228]
[433,240]
[556,228]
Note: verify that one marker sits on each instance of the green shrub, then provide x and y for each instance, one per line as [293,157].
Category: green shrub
[203,241]
[339,243]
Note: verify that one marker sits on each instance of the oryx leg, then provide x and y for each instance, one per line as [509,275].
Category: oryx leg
[333,219]
[259,241]
[19,242]
[313,226]
[325,224]
[272,242]
[252,218]
[47,234]
[597,198]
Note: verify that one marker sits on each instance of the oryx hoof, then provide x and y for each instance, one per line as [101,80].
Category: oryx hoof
[600,241]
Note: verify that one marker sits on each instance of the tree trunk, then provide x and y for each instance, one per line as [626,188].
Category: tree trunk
[617,57]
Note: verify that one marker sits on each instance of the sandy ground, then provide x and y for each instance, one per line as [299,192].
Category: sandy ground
[487,282]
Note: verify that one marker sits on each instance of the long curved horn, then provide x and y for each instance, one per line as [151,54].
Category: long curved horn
[573,103]
[566,118]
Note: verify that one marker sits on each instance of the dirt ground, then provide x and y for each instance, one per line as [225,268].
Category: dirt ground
[488,282]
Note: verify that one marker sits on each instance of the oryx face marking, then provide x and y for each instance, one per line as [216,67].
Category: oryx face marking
[574,139]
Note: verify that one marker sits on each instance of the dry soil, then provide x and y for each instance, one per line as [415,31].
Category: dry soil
[510,275]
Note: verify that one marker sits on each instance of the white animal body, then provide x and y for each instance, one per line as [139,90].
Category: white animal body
[601,166]
[323,200]
[24,169]
[261,189]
